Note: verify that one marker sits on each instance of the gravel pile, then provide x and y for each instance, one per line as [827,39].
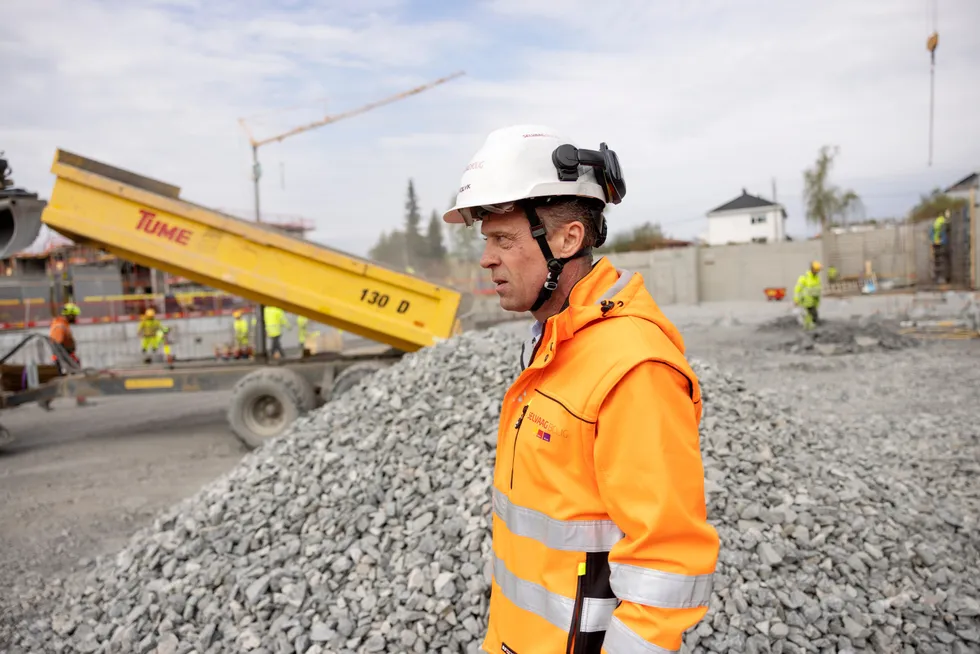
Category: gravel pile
[367,530]
[780,324]
[842,337]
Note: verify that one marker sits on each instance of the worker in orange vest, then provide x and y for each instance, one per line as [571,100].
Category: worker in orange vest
[600,531]
[60,332]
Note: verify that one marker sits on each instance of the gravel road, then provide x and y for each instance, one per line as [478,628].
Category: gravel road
[79,481]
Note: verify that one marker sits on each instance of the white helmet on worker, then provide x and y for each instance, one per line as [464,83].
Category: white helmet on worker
[529,166]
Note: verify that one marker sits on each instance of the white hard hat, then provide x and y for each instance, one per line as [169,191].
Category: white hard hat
[529,161]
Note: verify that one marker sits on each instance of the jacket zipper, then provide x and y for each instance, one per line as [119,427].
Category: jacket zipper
[573,631]
[513,457]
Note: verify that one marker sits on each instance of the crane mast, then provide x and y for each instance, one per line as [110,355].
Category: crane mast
[326,120]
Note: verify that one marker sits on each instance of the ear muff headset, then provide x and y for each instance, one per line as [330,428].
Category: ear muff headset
[567,159]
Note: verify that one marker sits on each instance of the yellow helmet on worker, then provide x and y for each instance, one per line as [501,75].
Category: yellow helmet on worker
[150,313]
[815,266]
[236,314]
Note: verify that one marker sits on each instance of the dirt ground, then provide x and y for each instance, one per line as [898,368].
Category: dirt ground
[79,481]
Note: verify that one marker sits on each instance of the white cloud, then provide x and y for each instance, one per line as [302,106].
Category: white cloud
[699,99]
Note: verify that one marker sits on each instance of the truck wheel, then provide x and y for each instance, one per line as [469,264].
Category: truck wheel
[6,438]
[352,376]
[265,402]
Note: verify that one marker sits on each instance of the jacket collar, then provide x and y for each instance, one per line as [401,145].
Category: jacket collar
[603,290]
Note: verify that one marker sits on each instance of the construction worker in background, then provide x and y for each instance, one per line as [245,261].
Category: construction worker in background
[301,322]
[71,309]
[806,295]
[600,534]
[163,338]
[60,332]
[275,322]
[149,332]
[940,248]
[241,334]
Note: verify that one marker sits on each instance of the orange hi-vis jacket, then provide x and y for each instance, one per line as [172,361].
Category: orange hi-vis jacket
[600,534]
[60,332]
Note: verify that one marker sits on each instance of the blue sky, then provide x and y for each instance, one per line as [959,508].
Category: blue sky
[700,99]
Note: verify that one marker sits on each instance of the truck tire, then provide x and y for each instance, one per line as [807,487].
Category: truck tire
[6,438]
[265,402]
[351,376]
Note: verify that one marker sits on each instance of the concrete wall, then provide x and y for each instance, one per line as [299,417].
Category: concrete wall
[891,249]
[671,275]
[742,272]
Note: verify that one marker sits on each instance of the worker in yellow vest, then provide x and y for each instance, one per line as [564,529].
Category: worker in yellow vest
[149,330]
[242,349]
[806,295]
[275,322]
[301,322]
[940,248]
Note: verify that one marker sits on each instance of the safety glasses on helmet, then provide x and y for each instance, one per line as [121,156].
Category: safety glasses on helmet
[473,214]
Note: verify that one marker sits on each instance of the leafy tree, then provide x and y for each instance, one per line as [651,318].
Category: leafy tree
[435,247]
[826,204]
[932,205]
[413,219]
[648,236]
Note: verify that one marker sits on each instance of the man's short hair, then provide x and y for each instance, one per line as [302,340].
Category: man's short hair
[562,211]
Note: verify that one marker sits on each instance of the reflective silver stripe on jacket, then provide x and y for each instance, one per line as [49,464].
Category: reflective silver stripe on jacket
[567,535]
[666,590]
[556,609]
[620,639]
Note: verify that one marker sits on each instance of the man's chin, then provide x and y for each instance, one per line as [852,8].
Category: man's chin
[513,304]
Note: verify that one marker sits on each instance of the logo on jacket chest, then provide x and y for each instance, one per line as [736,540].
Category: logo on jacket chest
[546,428]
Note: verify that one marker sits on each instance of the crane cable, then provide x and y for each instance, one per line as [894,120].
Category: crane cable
[931,44]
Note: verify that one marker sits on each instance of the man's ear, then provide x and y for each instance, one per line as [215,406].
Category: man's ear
[572,235]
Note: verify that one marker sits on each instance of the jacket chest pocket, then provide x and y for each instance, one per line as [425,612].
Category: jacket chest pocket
[551,445]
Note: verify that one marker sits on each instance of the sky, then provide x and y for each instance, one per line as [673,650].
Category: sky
[699,98]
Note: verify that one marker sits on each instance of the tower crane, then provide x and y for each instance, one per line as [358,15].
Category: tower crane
[326,120]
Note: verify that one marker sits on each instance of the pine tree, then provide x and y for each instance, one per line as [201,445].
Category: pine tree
[435,247]
[413,219]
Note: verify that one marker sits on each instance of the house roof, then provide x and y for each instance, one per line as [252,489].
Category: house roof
[970,181]
[744,201]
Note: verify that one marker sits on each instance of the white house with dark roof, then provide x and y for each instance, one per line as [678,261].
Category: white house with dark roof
[961,189]
[746,219]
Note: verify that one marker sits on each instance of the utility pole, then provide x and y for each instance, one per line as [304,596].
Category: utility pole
[780,224]
[260,313]
[326,120]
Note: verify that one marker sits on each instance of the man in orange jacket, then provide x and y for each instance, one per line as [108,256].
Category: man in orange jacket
[600,534]
[60,332]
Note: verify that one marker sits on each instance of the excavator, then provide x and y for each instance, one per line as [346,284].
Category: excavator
[145,221]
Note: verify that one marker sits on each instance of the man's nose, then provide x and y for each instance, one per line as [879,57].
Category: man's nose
[488,258]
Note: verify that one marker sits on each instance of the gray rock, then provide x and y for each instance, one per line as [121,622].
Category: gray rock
[768,555]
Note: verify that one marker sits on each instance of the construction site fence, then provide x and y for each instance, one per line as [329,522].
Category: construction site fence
[28,312]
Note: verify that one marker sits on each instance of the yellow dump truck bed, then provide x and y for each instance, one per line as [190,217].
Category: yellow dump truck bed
[145,221]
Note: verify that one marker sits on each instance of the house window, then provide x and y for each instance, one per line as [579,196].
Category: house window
[759,239]
[758,220]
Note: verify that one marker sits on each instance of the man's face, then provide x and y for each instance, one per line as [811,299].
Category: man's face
[514,260]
